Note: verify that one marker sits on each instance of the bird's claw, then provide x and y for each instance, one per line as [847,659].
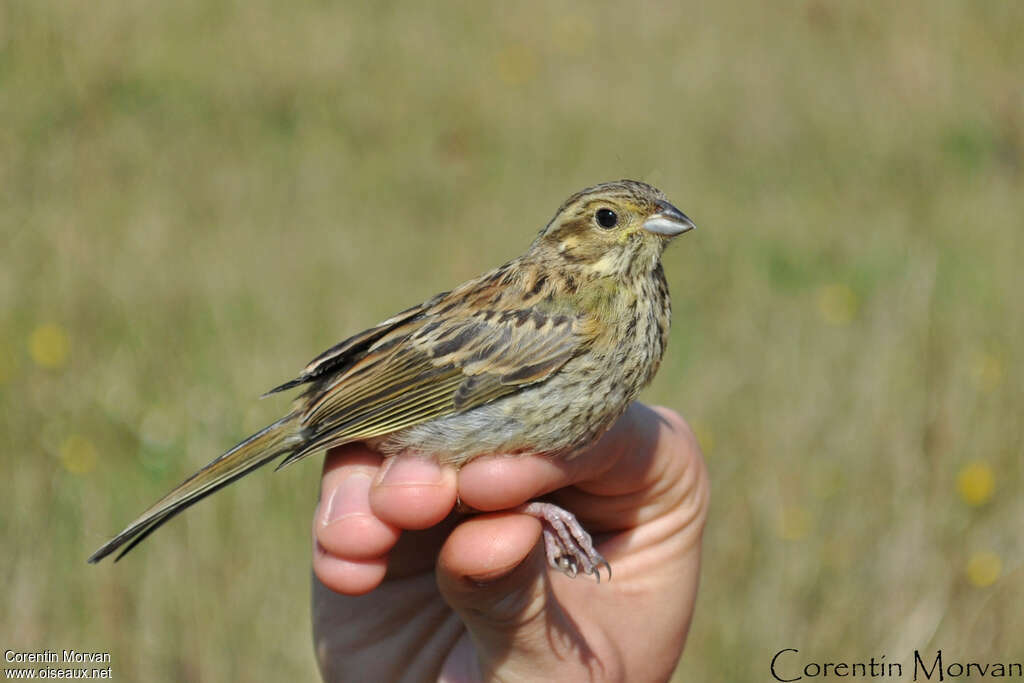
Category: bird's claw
[568,547]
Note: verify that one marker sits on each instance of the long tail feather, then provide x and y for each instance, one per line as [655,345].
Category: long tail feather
[259,449]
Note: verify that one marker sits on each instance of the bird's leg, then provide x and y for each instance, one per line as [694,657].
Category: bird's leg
[568,546]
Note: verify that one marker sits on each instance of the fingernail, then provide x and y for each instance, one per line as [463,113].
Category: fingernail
[350,497]
[411,472]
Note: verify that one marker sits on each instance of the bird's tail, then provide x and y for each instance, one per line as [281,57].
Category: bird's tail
[277,439]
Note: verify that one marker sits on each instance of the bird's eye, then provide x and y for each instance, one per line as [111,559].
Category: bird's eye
[607,218]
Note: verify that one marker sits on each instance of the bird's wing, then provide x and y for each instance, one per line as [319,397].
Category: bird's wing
[346,352]
[449,364]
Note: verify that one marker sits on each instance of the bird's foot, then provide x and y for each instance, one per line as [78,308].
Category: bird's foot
[568,546]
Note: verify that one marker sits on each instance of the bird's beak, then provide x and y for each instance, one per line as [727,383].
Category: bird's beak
[669,222]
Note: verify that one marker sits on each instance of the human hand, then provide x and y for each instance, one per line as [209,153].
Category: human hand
[404,590]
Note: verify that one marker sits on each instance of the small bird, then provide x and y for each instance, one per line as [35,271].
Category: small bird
[540,355]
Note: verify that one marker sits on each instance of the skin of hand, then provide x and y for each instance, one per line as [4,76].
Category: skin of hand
[404,590]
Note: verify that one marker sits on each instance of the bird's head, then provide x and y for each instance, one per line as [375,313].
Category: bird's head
[615,228]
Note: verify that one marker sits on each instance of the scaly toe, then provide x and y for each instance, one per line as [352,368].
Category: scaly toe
[568,546]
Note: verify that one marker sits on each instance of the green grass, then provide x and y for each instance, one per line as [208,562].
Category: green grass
[202,196]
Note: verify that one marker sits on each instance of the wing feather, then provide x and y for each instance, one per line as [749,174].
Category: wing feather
[455,352]
[438,370]
[346,352]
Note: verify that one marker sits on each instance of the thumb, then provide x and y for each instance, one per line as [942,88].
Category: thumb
[491,571]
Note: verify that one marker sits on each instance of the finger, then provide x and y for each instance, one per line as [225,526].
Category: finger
[350,543]
[502,482]
[412,492]
[349,577]
[345,525]
[366,502]
[492,573]
[497,483]
[489,573]
[482,551]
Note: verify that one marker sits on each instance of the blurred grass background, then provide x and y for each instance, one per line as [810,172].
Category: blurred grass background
[197,197]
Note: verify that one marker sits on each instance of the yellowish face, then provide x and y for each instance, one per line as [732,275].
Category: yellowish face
[608,226]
